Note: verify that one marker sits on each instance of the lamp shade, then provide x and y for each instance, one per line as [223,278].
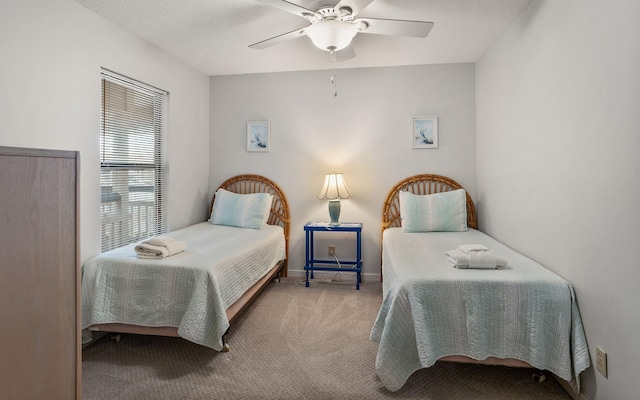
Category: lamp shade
[331,35]
[334,187]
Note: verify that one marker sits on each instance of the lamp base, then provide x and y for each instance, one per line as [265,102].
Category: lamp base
[334,212]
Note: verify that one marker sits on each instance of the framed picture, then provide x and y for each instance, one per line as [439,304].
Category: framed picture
[425,132]
[258,136]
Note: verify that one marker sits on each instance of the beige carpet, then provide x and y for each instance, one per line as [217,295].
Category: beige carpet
[292,343]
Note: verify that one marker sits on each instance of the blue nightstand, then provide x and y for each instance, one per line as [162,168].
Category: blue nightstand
[332,265]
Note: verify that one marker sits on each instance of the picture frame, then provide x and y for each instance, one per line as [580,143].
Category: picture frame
[424,132]
[258,136]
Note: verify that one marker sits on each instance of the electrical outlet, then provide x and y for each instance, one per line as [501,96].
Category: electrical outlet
[332,250]
[601,361]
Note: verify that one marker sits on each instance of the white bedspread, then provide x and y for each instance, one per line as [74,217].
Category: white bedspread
[190,290]
[431,309]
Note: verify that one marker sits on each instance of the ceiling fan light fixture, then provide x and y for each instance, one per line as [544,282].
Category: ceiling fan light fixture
[332,34]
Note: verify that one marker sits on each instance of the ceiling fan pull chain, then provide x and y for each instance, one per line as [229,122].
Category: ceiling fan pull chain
[333,74]
[335,87]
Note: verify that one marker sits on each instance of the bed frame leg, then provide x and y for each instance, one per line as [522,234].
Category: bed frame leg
[225,344]
[539,376]
[277,276]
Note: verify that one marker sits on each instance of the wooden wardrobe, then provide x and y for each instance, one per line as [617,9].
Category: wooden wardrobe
[40,336]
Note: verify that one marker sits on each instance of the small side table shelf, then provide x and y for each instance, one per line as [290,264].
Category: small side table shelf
[333,265]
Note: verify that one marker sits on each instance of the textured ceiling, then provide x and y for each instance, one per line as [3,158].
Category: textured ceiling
[213,35]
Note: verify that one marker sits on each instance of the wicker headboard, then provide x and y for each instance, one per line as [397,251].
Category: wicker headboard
[422,184]
[279,214]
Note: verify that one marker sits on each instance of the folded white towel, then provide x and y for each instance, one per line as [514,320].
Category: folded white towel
[160,240]
[159,247]
[146,250]
[466,248]
[482,259]
[457,258]
[478,259]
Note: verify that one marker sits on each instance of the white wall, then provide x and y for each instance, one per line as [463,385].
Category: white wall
[558,138]
[364,132]
[51,52]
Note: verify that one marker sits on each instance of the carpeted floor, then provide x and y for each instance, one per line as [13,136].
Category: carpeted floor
[292,343]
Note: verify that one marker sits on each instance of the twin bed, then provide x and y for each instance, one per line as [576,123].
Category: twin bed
[518,315]
[197,293]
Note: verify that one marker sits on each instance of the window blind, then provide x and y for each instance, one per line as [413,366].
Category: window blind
[132,161]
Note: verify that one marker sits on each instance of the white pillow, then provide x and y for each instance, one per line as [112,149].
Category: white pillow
[241,210]
[438,212]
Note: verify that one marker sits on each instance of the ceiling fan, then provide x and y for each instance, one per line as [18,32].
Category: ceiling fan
[333,27]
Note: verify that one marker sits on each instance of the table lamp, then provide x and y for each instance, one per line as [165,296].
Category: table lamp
[334,189]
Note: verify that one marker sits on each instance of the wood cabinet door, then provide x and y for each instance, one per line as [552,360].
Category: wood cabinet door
[40,353]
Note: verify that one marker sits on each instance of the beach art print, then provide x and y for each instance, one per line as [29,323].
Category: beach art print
[425,132]
[258,136]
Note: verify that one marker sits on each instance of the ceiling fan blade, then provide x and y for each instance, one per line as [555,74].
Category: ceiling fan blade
[395,27]
[284,5]
[278,39]
[355,5]
[346,54]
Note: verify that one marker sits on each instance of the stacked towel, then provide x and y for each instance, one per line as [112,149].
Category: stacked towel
[475,256]
[159,247]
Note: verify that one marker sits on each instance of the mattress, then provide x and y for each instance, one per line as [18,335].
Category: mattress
[190,290]
[431,309]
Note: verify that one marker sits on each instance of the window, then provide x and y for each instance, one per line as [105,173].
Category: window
[132,161]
